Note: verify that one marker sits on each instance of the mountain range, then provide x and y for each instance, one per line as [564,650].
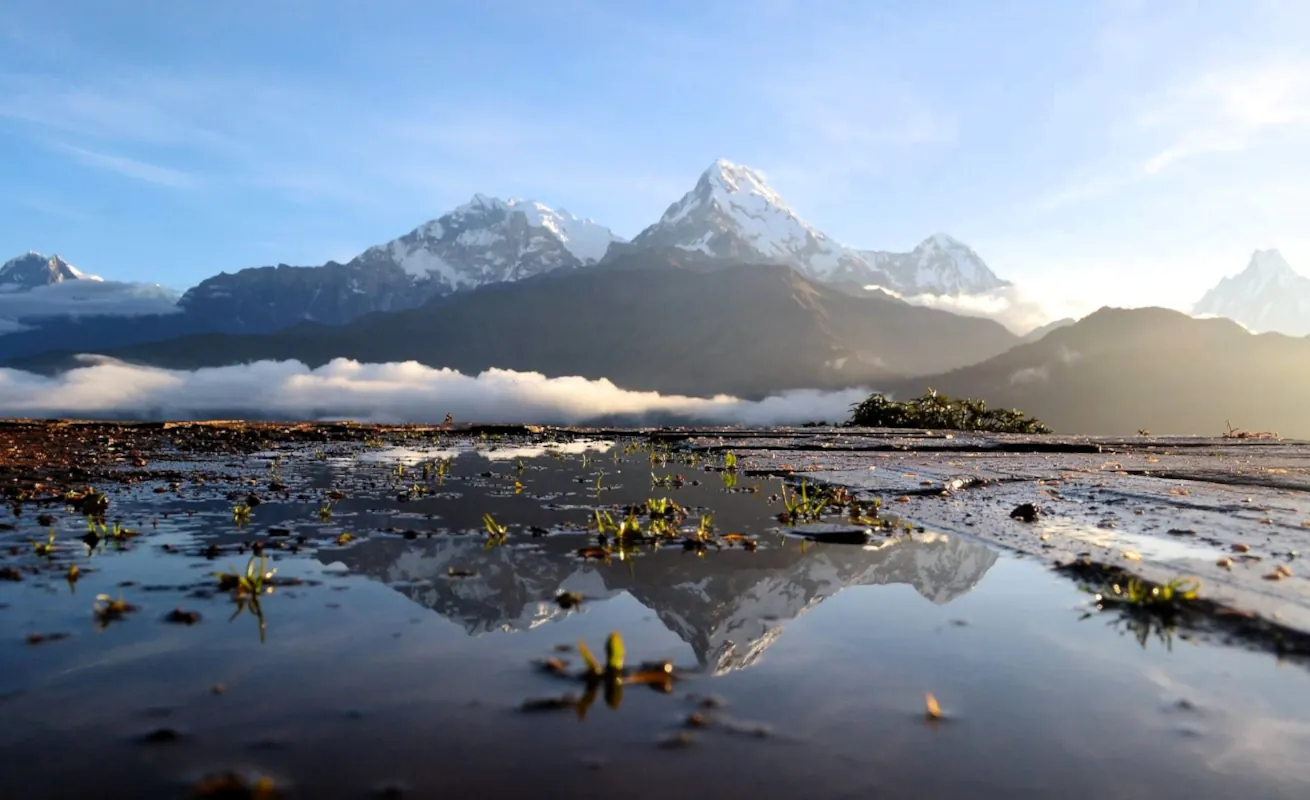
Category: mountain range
[731,215]
[730,291]
[673,321]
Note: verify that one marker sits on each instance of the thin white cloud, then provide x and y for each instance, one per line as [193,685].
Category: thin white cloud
[85,298]
[130,167]
[1190,149]
[258,132]
[394,392]
[1226,110]
[1018,309]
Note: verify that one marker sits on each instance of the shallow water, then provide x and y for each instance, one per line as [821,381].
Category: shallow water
[403,658]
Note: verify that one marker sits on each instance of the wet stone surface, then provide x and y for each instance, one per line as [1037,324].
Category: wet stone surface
[353,612]
[1231,512]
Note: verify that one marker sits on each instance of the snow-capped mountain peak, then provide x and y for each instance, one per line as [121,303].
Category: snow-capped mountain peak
[732,212]
[489,240]
[33,269]
[940,264]
[585,238]
[1266,296]
[726,177]
[1269,265]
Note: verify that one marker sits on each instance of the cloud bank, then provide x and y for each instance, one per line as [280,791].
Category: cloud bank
[1013,307]
[393,392]
[1042,373]
[84,298]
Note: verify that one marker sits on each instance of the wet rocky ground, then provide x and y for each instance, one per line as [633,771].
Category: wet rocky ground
[816,612]
[1234,513]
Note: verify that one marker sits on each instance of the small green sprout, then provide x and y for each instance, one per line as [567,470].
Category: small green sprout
[730,461]
[325,512]
[613,657]
[705,528]
[240,514]
[631,527]
[800,506]
[604,522]
[47,548]
[614,653]
[117,533]
[496,533]
[251,583]
[1137,593]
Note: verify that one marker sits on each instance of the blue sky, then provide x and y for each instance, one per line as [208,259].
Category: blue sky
[1123,151]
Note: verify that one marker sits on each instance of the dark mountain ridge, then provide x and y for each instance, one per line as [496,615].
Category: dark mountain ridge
[655,320]
[1120,370]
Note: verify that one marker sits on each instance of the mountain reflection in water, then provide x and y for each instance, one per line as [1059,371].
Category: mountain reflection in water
[729,607]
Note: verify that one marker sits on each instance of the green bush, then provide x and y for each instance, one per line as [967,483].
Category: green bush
[938,412]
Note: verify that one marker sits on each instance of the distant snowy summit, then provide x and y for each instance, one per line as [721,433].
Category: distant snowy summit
[485,241]
[939,265]
[1267,296]
[488,240]
[732,213]
[32,269]
[35,288]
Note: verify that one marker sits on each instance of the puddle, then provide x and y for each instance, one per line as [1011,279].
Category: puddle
[1181,546]
[402,655]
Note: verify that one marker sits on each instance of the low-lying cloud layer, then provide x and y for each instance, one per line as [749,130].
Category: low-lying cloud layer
[394,392]
[84,298]
[1011,306]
